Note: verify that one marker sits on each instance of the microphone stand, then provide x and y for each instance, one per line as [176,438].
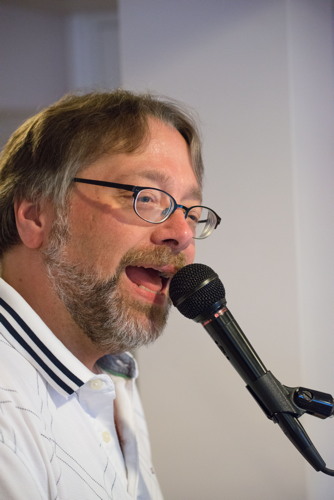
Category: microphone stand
[284,405]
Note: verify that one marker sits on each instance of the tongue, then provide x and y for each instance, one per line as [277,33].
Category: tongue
[148,278]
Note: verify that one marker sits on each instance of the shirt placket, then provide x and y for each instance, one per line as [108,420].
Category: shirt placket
[97,398]
[126,429]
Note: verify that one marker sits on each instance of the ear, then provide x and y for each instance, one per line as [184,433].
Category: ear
[32,222]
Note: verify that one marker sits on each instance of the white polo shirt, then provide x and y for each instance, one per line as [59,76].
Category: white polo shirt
[67,433]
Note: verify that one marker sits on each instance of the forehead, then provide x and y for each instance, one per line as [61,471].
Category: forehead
[163,160]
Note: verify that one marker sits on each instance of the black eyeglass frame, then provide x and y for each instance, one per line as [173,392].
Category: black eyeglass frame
[137,189]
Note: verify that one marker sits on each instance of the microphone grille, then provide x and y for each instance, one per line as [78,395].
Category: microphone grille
[195,289]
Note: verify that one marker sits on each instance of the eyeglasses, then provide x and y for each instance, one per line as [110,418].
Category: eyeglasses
[155,206]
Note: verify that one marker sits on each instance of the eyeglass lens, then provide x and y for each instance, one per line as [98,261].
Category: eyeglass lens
[155,206]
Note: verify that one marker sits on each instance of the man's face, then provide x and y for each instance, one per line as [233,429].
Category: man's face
[113,271]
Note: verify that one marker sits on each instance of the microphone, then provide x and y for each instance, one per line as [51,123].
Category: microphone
[197,292]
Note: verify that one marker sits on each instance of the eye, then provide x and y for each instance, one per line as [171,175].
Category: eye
[145,198]
[193,217]
[148,197]
[194,214]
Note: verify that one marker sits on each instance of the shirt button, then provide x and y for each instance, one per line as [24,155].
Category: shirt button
[106,436]
[96,384]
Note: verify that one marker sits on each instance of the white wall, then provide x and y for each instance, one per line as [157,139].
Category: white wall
[45,54]
[93,50]
[312,124]
[32,55]
[32,64]
[242,66]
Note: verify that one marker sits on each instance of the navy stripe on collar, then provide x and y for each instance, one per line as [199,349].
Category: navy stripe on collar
[53,359]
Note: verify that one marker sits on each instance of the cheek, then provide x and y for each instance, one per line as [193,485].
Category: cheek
[99,244]
[190,253]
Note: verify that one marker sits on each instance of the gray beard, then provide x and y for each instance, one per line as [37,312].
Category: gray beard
[114,322]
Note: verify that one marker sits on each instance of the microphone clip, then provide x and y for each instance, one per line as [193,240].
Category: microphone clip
[316,403]
[275,398]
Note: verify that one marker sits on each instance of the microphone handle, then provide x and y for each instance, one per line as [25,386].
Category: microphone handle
[226,333]
[269,393]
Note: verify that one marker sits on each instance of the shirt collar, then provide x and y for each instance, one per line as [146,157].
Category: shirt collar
[29,335]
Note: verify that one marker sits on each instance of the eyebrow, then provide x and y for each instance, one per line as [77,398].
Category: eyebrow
[158,176]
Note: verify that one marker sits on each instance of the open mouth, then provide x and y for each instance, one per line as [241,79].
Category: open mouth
[149,279]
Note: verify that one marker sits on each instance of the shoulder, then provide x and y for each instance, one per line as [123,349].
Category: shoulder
[22,390]
[16,371]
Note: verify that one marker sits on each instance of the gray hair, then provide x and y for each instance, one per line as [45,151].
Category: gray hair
[41,158]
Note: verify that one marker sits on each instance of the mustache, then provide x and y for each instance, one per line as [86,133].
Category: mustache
[151,257]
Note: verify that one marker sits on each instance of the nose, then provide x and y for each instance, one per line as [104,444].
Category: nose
[174,232]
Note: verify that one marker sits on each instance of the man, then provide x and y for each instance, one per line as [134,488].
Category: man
[91,234]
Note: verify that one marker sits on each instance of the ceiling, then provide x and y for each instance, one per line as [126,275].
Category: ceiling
[64,6]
